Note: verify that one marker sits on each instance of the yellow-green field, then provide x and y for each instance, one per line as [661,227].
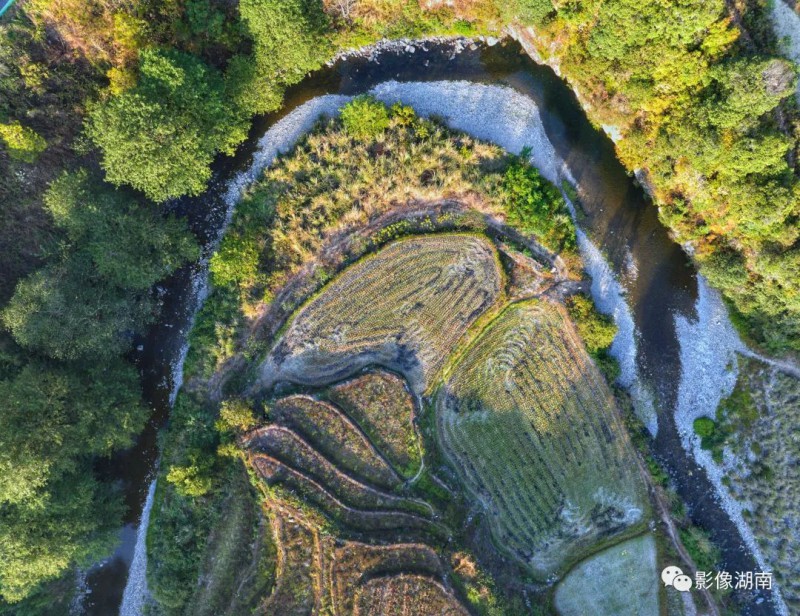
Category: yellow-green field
[529,424]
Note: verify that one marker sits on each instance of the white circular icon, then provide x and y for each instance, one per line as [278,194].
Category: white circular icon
[669,574]
[682,582]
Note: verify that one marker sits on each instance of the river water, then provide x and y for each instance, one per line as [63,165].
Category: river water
[641,264]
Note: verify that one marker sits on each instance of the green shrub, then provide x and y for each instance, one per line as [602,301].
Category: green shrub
[535,206]
[191,480]
[364,117]
[704,427]
[704,552]
[597,331]
[236,415]
[22,142]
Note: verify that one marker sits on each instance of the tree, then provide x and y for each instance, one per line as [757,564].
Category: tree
[78,525]
[131,245]
[289,40]
[162,135]
[53,513]
[22,142]
[67,312]
[88,304]
[54,417]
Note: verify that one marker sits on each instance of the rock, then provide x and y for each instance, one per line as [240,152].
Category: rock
[491,41]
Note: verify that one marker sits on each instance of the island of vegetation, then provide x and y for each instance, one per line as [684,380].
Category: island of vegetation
[343,440]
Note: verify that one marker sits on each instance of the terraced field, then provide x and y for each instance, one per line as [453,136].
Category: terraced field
[381,405]
[404,308]
[315,452]
[335,435]
[530,426]
[520,429]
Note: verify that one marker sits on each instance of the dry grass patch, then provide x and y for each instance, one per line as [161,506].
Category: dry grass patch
[532,430]
[405,594]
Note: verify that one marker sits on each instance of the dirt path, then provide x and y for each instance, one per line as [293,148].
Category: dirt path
[672,532]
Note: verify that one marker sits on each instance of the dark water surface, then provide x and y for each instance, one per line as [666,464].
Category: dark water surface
[619,219]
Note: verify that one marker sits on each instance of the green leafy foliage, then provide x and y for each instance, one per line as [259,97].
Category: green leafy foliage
[78,525]
[597,331]
[289,40]
[535,206]
[699,112]
[736,413]
[365,118]
[161,136]
[86,305]
[131,246]
[54,416]
[22,142]
[53,513]
[180,520]
[66,312]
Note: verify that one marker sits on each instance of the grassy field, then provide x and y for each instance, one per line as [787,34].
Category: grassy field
[529,424]
[621,580]
[381,405]
[405,308]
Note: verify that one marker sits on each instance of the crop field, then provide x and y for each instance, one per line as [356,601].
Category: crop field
[621,580]
[321,568]
[528,423]
[384,409]
[296,454]
[335,436]
[404,308]
[400,594]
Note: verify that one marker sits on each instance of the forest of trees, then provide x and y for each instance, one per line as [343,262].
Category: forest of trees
[706,110]
[109,109]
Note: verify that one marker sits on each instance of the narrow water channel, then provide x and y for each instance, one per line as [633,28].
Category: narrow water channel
[657,278]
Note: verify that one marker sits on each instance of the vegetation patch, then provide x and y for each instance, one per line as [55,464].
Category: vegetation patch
[531,428]
[764,474]
[328,188]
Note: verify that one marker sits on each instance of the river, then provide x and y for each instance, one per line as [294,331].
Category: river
[640,264]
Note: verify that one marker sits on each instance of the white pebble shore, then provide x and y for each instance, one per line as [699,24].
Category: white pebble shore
[709,349]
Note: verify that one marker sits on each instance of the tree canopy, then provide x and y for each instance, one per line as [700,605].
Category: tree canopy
[162,135]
